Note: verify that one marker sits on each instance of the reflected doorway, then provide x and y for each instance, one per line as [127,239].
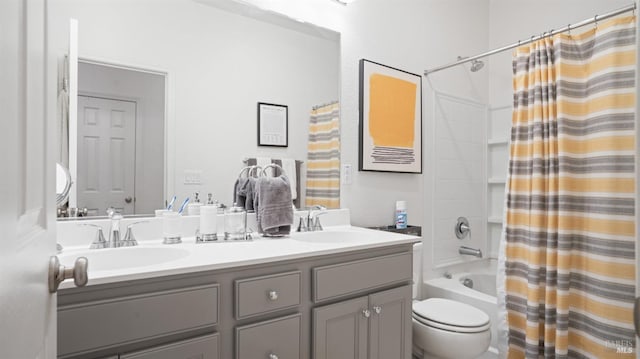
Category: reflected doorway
[106,155]
[121,155]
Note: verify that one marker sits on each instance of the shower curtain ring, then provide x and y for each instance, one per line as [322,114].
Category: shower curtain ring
[595,21]
[569,29]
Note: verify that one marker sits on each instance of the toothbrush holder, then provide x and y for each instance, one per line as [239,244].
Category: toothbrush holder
[172,228]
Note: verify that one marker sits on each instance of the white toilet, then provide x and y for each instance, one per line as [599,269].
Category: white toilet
[444,328]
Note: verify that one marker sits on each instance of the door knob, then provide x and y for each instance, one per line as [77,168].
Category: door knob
[128,199]
[58,273]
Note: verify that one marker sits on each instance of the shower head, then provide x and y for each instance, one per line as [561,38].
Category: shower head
[476,65]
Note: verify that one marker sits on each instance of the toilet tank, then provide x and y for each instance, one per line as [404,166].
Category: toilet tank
[417,270]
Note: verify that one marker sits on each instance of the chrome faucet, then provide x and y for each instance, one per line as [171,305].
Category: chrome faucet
[311,222]
[114,230]
[470,251]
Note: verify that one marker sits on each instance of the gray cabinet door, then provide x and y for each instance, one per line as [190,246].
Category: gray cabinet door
[390,324]
[340,330]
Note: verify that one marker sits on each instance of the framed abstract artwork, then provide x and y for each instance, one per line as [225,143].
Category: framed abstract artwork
[390,133]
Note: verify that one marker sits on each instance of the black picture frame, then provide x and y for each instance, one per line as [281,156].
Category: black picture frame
[384,158]
[273,125]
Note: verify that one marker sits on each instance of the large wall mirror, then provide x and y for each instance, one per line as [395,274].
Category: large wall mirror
[181,80]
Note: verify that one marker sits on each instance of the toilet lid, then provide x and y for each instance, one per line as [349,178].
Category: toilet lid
[450,313]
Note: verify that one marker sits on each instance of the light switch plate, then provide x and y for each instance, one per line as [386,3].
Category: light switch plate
[192,176]
[347,174]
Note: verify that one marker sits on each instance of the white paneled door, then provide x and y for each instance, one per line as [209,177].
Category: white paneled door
[106,155]
[27,211]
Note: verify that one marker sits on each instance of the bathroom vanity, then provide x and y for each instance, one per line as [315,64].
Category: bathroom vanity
[340,293]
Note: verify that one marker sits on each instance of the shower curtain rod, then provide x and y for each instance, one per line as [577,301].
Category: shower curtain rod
[569,27]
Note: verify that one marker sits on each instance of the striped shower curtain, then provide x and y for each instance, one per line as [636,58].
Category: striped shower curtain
[323,157]
[569,233]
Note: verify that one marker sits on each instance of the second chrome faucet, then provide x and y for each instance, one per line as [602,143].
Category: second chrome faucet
[311,222]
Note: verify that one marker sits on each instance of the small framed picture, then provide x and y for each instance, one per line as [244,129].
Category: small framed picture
[273,125]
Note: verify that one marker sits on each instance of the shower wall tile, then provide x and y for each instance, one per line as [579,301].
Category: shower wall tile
[500,122]
[459,175]
[498,158]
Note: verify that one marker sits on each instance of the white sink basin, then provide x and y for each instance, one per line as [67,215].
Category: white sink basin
[331,236]
[122,258]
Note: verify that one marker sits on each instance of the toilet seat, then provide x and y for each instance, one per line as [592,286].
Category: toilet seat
[450,315]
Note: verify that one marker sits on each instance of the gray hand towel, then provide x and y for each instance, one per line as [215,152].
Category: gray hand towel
[274,212]
[239,195]
[246,191]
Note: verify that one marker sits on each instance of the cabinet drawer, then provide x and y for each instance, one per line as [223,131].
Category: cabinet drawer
[266,294]
[351,277]
[205,347]
[280,337]
[106,323]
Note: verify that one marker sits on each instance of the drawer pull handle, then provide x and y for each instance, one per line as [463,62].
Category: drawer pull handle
[377,309]
[366,313]
[273,295]
[273,356]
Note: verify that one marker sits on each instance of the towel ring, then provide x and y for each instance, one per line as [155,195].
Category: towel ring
[255,170]
[262,173]
[248,168]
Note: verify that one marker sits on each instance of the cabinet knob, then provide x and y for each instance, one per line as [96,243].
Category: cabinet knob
[273,356]
[366,313]
[377,309]
[273,295]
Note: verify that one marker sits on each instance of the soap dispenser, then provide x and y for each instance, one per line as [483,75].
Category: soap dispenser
[193,209]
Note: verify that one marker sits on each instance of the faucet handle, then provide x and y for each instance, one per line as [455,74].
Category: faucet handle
[129,239]
[316,222]
[99,242]
[302,225]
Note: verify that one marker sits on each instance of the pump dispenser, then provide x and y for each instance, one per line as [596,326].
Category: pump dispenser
[193,209]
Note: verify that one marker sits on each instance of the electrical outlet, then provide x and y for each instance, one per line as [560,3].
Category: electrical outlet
[192,176]
[347,174]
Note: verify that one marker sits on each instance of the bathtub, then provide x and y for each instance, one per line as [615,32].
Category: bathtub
[482,296]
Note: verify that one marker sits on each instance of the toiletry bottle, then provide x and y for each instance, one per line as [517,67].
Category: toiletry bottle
[193,209]
[401,214]
[208,223]
[235,223]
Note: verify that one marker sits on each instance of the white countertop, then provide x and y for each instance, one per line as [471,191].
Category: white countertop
[131,263]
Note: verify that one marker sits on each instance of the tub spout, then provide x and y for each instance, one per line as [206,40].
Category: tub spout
[470,251]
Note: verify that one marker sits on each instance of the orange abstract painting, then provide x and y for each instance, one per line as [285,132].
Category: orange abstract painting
[395,99]
[390,119]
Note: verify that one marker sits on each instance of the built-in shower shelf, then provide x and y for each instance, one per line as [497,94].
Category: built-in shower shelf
[495,180]
[497,141]
[495,219]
